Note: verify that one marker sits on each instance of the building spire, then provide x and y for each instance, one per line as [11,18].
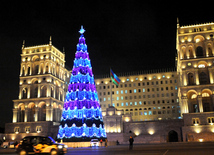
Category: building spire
[50,42]
[178,26]
[23,44]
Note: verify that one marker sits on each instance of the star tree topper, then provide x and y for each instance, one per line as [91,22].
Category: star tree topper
[82,30]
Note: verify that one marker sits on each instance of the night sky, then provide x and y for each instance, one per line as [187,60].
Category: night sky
[124,35]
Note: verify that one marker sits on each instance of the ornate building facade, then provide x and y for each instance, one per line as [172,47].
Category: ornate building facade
[195,64]
[158,106]
[42,88]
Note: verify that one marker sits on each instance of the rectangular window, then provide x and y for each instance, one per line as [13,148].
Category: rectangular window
[117,92]
[195,121]
[38,129]
[125,91]
[117,98]
[127,104]
[122,104]
[16,129]
[150,112]
[135,103]
[27,129]
[144,90]
[135,90]
[121,91]
[145,112]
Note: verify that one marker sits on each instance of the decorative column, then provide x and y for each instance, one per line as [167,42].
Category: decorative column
[184,78]
[28,92]
[36,114]
[196,77]
[15,111]
[26,114]
[211,75]
[20,92]
[49,113]
[200,104]
[184,105]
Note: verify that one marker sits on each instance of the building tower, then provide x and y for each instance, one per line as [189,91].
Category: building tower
[195,64]
[42,87]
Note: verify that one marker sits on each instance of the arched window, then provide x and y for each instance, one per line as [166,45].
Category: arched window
[46,69]
[36,69]
[31,111]
[190,79]
[42,112]
[210,51]
[44,91]
[28,70]
[199,51]
[203,78]
[24,93]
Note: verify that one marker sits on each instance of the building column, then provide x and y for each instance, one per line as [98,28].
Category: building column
[36,114]
[200,104]
[15,111]
[196,77]
[39,91]
[184,105]
[26,114]
[28,92]
[20,92]
[49,113]
[211,75]
[184,78]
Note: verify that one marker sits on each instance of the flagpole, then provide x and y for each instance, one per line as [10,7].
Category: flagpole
[110,87]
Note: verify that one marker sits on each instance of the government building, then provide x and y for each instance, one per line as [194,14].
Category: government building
[165,105]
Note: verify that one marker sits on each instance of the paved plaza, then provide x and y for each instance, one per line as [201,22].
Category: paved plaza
[141,149]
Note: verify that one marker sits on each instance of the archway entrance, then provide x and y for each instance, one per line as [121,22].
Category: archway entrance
[173,136]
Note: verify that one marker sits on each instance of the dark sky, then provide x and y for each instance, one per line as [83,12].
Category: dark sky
[125,35]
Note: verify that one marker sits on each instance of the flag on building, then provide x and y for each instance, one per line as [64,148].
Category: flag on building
[114,78]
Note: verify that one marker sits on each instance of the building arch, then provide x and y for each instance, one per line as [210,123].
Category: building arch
[24,93]
[173,136]
[207,100]
[199,51]
[190,79]
[34,88]
[199,38]
[31,112]
[203,73]
[35,58]
[42,111]
[43,91]
[21,112]
[209,49]
[192,101]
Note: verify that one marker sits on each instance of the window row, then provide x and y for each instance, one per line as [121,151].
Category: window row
[159,112]
[138,103]
[139,84]
[38,129]
[144,90]
[196,121]
[137,97]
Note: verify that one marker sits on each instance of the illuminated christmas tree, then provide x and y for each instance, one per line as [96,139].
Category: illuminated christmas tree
[81,117]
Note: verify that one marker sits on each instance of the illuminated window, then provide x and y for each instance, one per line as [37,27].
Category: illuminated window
[145,112]
[27,129]
[16,129]
[205,95]
[117,92]
[127,79]
[189,64]
[135,90]
[135,103]
[121,92]
[201,66]
[38,129]
[195,121]
[210,120]
[150,112]
[163,76]
[140,103]
[117,98]
[122,104]
[127,104]
[193,96]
